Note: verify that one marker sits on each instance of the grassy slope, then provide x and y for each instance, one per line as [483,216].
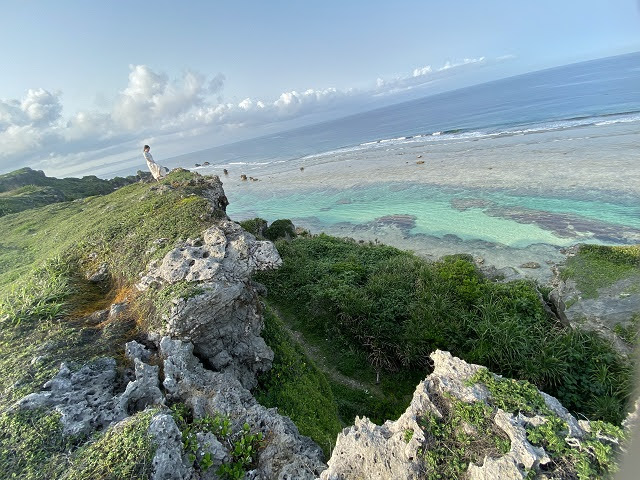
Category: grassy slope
[44,259]
[384,305]
[297,387]
[596,267]
[26,188]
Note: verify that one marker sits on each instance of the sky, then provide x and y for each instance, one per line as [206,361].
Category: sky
[84,83]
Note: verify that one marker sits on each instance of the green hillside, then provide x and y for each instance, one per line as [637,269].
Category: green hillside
[26,188]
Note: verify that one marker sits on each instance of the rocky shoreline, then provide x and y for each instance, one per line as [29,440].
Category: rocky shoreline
[205,351]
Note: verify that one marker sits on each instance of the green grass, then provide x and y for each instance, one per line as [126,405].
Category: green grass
[373,307]
[296,386]
[255,226]
[450,448]
[629,331]
[379,402]
[123,452]
[511,395]
[25,189]
[32,446]
[597,266]
[596,457]
[119,228]
[45,256]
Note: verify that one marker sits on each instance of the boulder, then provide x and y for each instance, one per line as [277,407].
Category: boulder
[396,449]
[223,319]
[286,454]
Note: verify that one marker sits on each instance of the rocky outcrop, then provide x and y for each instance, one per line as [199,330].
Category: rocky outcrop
[613,307]
[208,342]
[286,456]
[399,449]
[86,398]
[222,319]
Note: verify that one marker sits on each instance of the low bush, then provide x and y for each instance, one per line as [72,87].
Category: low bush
[255,226]
[397,308]
[280,229]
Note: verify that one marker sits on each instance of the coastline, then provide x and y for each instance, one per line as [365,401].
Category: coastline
[565,187]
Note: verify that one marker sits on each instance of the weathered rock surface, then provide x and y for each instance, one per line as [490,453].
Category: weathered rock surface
[168,462]
[386,452]
[286,456]
[223,321]
[86,398]
[614,305]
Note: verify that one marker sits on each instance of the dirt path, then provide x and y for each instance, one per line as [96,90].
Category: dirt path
[321,362]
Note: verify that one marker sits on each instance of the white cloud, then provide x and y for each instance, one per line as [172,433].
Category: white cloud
[41,107]
[418,72]
[150,100]
[32,130]
[426,75]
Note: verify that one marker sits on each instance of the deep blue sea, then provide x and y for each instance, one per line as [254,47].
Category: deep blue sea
[588,93]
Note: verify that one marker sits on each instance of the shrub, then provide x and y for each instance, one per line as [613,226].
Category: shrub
[280,229]
[396,308]
[297,387]
[255,226]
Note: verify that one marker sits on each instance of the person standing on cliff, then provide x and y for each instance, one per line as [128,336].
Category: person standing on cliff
[157,171]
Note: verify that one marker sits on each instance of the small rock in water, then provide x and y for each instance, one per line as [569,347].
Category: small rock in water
[243,177]
[530,265]
[420,162]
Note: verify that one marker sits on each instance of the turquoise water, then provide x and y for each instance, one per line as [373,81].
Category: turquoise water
[490,216]
[511,170]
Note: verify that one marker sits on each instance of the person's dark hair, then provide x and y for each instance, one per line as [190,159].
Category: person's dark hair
[145,147]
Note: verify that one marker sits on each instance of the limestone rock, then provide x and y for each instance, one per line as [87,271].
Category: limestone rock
[135,350]
[287,455]
[632,422]
[86,398]
[144,391]
[223,321]
[385,452]
[83,398]
[168,463]
[209,444]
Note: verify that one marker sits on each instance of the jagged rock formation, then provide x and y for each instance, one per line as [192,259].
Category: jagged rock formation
[222,321]
[397,449]
[209,344]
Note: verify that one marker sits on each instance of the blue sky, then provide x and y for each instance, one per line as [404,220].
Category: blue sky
[84,83]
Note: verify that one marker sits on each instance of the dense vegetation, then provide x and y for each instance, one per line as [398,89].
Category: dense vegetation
[394,308]
[26,188]
[375,312]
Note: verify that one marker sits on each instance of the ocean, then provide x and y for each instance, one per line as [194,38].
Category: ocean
[511,171]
